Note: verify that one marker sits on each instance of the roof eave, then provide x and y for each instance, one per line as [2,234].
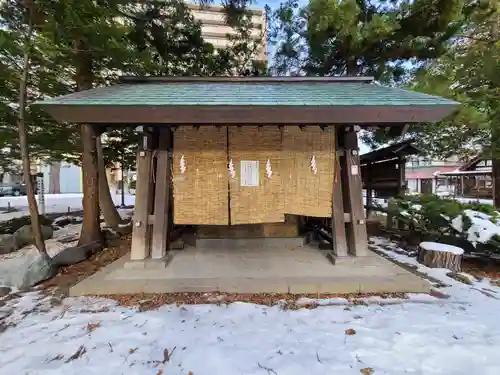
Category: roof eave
[246,114]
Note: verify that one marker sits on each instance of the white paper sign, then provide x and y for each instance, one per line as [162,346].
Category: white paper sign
[354,170]
[249,173]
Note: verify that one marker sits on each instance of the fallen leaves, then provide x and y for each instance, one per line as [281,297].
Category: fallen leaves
[367,371]
[167,355]
[350,332]
[93,326]
[146,302]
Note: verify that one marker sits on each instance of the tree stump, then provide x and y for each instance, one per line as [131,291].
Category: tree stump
[439,255]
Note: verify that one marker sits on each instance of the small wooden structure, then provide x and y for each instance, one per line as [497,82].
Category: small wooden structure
[471,180]
[383,170]
[226,152]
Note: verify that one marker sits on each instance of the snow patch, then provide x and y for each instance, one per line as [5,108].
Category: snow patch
[481,230]
[436,246]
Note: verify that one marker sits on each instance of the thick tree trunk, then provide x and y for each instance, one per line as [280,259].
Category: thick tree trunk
[496,181]
[495,160]
[437,255]
[495,134]
[23,143]
[108,208]
[495,154]
[91,227]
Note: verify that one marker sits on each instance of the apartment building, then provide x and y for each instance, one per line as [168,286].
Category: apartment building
[215,29]
[423,173]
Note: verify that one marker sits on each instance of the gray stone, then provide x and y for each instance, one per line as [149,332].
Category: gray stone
[63,221]
[462,277]
[8,243]
[4,290]
[110,234]
[124,229]
[26,270]
[71,237]
[24,235]
[76,254]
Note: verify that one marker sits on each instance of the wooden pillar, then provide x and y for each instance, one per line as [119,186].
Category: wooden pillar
[162,222]
[401,177]
[357,238]
[368,188]
[338,221]
[140,248]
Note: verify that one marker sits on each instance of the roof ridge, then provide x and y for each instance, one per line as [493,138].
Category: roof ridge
[260,79]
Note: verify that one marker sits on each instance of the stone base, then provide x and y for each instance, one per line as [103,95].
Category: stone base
[296,270]
[246,243]
[148,263]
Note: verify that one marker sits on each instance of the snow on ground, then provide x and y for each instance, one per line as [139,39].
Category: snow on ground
[457,336]
[54,203]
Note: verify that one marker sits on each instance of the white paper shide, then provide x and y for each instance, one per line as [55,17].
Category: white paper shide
[232,171]
[182,165]
[269,171]
[314,168]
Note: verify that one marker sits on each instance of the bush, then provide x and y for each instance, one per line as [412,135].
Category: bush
[132,184]
[440,218]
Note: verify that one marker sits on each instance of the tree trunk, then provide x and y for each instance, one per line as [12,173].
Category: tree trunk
[23,143]
[91,227]
[496,181]
[438,255]
[495,133]
[495,160]
[108,208]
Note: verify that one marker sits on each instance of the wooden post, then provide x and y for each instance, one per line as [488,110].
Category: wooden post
[357,238]
[143,204]
[401,177]
[401,190]
[338,223]
[161,224]
[369,190]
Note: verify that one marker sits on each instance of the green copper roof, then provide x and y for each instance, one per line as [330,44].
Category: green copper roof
[259,93]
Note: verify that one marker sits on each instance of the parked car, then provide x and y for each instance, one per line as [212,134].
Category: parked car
[14,189]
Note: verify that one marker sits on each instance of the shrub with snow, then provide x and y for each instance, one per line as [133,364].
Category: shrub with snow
[431,215]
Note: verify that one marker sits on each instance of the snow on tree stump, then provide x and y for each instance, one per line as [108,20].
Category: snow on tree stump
[439,255]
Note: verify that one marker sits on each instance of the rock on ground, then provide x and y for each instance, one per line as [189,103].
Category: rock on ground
[76,254]
[8,243]
[4,290]
[26,270]
[24,235]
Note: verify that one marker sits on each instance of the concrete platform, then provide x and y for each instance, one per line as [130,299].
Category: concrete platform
[278,269]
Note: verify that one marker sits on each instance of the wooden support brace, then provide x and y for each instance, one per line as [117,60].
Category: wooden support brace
[161,226]
[352,185]
[143,202]
[338,215]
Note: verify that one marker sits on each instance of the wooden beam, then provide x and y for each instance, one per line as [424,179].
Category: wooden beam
[161,226]
[338,216]
[143,201]
[352,186]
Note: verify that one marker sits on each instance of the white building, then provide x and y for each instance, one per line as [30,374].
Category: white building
[422,174]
